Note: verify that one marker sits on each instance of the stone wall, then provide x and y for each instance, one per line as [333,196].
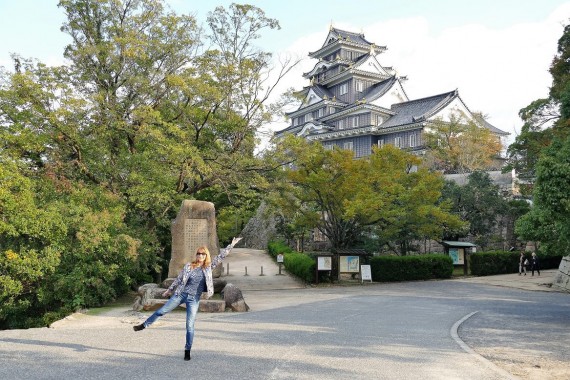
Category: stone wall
[562,278]
[260,229]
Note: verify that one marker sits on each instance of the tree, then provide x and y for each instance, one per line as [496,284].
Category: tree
[461,145]
[544,119]
[340,196]
[478,202]
[148,111]
[542,150]
[548,221]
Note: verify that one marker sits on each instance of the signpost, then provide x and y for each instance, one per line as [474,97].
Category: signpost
[365,273]
[280,262]
[324,263]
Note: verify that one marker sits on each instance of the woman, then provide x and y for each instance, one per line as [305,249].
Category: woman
[534,264]
[192,280]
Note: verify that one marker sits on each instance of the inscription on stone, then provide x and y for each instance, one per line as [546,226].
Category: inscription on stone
[195,235]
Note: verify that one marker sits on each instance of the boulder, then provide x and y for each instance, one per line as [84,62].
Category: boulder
[234,298]
[212,306]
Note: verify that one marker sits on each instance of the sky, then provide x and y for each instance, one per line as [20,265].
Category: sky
[495,52]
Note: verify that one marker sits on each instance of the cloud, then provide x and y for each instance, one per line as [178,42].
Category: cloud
[497,70]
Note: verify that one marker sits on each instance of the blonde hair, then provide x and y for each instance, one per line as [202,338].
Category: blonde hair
[207,261]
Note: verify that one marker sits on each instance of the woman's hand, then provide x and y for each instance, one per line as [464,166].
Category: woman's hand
[235,241]
[166,293]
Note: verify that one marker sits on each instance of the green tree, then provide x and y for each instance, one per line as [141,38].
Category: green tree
[148,111]
[480,203]
[544,119]
[340,196]
[548,222]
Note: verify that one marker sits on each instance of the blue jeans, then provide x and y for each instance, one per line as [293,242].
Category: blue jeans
[191,310]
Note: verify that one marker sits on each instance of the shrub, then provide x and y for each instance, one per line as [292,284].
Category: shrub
[409,268]
[276,247]
[300,265]
[501,262]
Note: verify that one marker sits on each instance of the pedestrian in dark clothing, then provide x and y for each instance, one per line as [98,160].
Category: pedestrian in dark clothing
[535,264]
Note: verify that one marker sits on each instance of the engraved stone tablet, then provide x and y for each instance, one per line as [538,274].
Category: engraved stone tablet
[194,226]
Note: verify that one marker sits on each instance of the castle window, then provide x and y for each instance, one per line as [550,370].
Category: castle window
[380,143]
[412,140]
[378,119]
[349,145]
[341,124]
[355,121]
[359,86]
[343,89]
[398,142]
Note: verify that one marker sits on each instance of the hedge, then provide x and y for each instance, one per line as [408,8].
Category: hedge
[501,262]
[300,265]
[410,268]
[276,247]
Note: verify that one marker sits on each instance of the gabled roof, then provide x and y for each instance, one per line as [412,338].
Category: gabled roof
[418,110]
[379,89]
[491,127]
[336,37]
[346,35]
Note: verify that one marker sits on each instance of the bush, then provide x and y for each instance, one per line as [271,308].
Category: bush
[501,262]
[409,268]
[276,247]
[300,265]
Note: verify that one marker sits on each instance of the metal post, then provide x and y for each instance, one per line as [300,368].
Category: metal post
[227,269]
[262,271]
[246,272]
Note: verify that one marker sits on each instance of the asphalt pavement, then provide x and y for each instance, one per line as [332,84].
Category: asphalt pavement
[454,329]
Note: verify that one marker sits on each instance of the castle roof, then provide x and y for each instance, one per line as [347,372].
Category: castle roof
[418,110]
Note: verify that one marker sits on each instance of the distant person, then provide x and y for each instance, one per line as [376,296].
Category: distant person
[193,279]
[523,262]
[534,264]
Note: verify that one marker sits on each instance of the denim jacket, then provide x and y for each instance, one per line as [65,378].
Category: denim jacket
[180,281]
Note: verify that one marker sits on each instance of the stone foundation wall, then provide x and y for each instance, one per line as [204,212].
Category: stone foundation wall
[562,278]
[260,229]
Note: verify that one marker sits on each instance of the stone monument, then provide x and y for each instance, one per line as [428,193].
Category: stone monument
[194,226]
[562,277]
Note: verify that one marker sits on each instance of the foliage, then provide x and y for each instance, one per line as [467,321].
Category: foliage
[494,262]
[544,119]
[478,202]
[401,200]
[340,196]
[97,155]
[500,262]
[411,268]
[461,145]
[300,265]
[548,222]
[275,248]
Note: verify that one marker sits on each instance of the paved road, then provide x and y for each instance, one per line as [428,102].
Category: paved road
[380,331]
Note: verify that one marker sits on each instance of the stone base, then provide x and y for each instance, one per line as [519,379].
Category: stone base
[562,278]
[150,298]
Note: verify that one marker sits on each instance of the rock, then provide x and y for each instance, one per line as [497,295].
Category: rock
[212,306]
[234,298]
[143,288]
[219,285]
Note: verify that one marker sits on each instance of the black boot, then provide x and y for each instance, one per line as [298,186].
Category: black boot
[139,327]
[186,354]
